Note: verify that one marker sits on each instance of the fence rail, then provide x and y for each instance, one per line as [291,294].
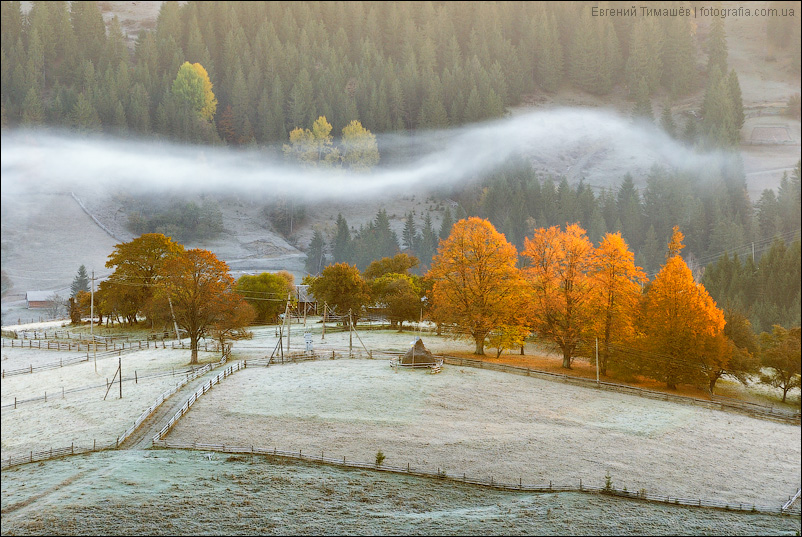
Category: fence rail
[230,370]
[36,456]
[490,483]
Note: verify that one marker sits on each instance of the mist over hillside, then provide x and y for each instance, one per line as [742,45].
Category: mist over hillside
[479,122]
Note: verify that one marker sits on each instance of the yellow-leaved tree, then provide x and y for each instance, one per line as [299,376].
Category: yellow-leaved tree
[359,148]
[313,147]
[614,304]
[680,324]
[477,287]
[193,89]
[559,270]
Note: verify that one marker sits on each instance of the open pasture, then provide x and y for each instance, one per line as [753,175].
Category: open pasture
[488,424]
[75,410]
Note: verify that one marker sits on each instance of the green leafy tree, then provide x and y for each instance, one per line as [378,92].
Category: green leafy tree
[359,149]
[399,297]
[780,353]
[343,289]
[193,90]
[267,293]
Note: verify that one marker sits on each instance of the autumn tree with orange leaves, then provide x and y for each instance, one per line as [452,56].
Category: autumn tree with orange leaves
[202,294]
[560,265]
[616,291]
[680,323]
[477,287]
[137,267]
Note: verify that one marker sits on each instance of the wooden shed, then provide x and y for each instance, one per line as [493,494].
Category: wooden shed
[38,299]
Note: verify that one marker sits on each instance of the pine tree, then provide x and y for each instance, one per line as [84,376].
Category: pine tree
[80,282]
[409,233]
[643,105]
[316,254]
[446,224]
[667,122]
[83,116]
[33,113]
[717,47]
[735,98]
[341,245]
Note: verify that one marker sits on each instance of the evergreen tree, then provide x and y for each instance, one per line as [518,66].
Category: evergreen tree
[667,122]
[643,105]
[679,57]
[446,224]
[316,254]
[734,90]
[83,116]
[80,282]
[33,113]
[341,245]
[410,235]
[717,47]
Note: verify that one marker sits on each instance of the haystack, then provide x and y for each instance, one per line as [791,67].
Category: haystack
[418,355]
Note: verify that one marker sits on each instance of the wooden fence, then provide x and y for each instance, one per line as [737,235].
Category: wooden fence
[230,370]
[52,453]
[483,482]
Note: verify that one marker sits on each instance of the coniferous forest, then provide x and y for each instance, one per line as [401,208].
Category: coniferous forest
[276,67]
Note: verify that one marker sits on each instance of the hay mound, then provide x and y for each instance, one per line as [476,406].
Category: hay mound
[418,355]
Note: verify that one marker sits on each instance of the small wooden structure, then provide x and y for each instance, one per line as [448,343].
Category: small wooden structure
[38,299]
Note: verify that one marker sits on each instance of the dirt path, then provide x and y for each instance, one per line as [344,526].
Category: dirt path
[143,436]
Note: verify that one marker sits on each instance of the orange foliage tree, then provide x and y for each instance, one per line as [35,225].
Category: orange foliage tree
[615,295]
[202,294]
[680,324]
[559,270]
[477,286]
[137,270]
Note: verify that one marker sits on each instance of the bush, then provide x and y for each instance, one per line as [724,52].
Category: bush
[379,458]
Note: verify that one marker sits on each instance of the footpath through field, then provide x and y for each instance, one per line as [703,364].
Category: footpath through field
[142,437]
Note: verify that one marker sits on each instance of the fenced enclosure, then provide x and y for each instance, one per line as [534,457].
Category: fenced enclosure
[485,482]
[42,455]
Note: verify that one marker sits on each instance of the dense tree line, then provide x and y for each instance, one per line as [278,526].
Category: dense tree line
[573,296]
[276,66]
[182,220]
[714,210]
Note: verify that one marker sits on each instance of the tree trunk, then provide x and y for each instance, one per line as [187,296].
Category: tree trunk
[480,346]
[193,345]
[713,383]
[566,360]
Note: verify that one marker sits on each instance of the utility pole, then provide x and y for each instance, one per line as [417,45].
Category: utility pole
[120,367]
[289,322]
[92,319]
[325,308]
[597,363]
[350,334]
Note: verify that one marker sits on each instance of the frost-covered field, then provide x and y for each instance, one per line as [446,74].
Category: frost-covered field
[486,423]
[168,492]
[81,416]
